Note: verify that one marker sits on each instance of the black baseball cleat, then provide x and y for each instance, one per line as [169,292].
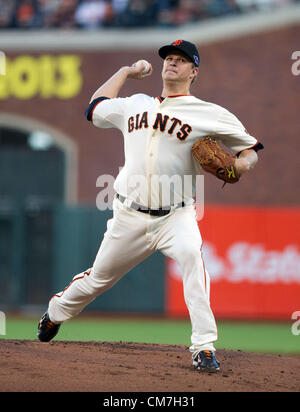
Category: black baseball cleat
[46,329]
[206,361]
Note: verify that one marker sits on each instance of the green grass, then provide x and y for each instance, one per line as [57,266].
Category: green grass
[266,337]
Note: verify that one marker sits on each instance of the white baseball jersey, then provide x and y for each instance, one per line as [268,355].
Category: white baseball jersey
[158,137]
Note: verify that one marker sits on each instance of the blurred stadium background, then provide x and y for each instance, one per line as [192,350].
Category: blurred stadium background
[55,53]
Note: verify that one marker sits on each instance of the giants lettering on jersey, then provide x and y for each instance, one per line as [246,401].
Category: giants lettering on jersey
[162,123]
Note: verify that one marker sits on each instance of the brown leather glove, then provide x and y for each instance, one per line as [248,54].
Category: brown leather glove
[214,160]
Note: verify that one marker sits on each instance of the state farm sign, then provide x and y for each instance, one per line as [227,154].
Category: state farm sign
[252,256]
[254,263]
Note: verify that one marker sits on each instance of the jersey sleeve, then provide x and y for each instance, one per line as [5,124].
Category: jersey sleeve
[231,132]
[107,113]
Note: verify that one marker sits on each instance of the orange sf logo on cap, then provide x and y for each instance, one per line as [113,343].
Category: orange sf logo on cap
[177,42]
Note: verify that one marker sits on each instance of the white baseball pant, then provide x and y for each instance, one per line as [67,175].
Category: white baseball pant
[131,237]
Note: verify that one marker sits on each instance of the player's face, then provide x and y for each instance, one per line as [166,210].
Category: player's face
[177,68]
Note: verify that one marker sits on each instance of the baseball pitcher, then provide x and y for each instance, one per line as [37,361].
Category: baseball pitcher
[175,134]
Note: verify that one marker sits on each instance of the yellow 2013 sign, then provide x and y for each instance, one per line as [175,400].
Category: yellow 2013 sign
[46,76]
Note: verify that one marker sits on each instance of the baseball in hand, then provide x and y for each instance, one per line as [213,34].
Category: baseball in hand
[145,64]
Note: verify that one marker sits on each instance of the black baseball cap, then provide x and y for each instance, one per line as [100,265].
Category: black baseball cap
[187,48]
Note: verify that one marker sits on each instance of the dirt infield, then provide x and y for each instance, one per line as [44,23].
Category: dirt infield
[31,366]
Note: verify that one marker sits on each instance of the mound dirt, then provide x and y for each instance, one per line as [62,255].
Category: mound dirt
[59,366]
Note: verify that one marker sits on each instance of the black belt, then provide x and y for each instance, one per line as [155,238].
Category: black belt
[153,212]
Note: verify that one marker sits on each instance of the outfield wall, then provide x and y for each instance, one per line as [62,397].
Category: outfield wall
[254,268]
[44,246]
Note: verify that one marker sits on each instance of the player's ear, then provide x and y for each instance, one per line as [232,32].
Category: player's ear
[194,72]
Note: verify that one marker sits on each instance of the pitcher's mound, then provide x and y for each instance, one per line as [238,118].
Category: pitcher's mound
[61,366]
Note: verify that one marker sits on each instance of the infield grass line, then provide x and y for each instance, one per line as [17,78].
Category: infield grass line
[261,337]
